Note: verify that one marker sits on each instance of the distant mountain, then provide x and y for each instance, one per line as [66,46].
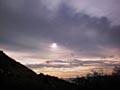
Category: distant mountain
[14,75]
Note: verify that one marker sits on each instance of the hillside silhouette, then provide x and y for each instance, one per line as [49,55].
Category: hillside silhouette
[14,75]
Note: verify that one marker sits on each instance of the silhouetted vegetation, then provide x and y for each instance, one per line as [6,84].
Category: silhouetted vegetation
[14,75]
[116,71]
[99,81]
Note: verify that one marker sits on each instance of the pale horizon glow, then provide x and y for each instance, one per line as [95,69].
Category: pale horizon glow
[50,67]
[67,36]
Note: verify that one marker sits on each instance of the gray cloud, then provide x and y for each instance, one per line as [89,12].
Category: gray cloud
[74,63]
[81,32]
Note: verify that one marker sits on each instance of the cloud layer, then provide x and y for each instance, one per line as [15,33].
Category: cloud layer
[81,28]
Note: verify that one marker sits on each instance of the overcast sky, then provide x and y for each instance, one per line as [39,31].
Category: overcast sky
[82,29]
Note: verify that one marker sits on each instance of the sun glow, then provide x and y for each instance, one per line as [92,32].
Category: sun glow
[54,45]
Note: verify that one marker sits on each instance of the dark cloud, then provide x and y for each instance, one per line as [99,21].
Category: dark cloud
[74,63]
[77,31]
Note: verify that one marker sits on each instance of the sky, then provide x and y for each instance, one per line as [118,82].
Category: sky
[63,38]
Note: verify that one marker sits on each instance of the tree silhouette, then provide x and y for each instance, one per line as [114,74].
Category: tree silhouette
[116,70]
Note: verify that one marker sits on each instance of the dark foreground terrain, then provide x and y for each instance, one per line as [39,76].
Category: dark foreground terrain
[15,76]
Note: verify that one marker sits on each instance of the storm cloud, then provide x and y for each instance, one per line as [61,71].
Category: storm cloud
[81,28]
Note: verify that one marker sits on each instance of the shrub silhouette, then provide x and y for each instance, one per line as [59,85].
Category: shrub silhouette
[116,71]
[99,81]
[14,75]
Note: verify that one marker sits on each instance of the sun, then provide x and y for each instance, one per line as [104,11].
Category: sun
[54,45]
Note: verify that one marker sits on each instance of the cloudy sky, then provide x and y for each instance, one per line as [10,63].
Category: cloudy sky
[63,38]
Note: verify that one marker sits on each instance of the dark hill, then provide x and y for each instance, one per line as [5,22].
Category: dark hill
[9,67]
[14,75]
